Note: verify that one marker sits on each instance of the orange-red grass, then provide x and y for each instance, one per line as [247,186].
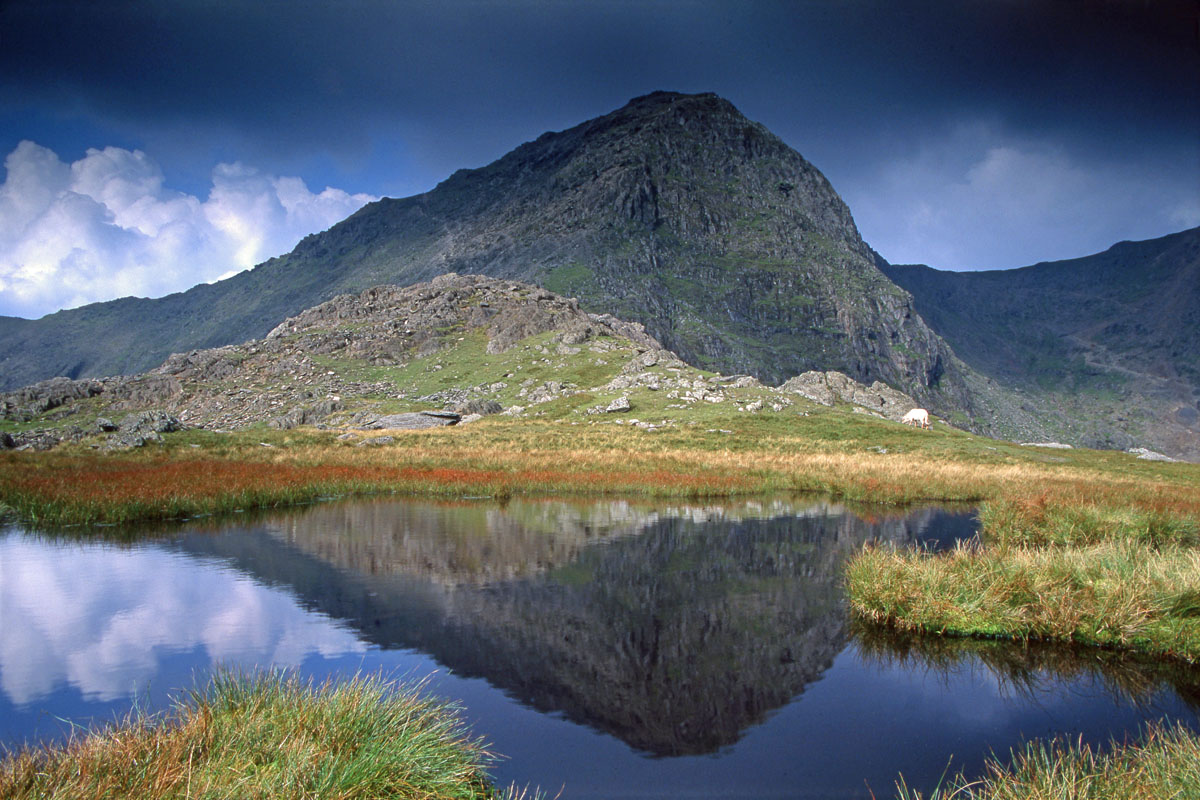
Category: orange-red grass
[91,490]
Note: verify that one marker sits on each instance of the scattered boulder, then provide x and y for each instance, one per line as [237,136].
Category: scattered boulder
[36,440]
[1053,445]
[375,441]
[619,406]
[827,388]
[141,428]
[146,422]
[1149,455]
[306,415]
[415,420]
[479,407]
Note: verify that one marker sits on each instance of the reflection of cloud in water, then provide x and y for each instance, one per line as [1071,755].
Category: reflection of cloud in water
[96,617]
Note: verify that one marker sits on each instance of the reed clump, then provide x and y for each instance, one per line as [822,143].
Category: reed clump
[268,736]
[1094,556]
[1163,764]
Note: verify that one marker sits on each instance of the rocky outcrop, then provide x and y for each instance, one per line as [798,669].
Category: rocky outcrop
[412,421]
[282,380]
[286,380]
[828,388]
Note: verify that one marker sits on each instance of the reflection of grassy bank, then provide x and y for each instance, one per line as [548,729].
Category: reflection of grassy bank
[1025,669]
[267,737]
[1164,763]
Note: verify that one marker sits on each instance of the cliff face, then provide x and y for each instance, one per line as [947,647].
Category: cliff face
[677,212]
[674,211]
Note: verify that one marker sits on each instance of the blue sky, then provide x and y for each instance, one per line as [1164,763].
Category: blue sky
[152,145]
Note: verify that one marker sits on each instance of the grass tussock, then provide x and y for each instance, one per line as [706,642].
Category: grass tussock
[268,736]
[1118,593]
[1163,765]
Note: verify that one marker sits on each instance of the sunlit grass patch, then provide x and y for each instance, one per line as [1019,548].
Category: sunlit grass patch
[1116,593]
[206,472]
[268,736]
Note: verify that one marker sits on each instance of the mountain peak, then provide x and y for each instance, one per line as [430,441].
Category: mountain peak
[674,210]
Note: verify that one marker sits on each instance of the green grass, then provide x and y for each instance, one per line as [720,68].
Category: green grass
[1164,764]
[467,363]
[1115,593]
[268,736]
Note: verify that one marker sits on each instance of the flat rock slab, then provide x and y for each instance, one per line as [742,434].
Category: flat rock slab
[415,420]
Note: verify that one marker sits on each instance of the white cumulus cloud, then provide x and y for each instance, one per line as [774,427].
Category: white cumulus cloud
[106,226]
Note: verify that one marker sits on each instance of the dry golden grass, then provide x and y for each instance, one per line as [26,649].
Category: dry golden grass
[527,457]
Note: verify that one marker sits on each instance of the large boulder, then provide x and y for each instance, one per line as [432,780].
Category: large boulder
[415,420]
[827,388]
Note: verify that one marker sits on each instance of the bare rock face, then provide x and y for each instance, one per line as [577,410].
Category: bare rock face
[412,421]
[29,401]
[830,387]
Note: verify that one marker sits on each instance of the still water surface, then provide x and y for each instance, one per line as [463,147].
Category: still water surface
[615,649]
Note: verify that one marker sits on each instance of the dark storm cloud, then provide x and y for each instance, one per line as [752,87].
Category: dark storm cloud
[934,119]
[304,74]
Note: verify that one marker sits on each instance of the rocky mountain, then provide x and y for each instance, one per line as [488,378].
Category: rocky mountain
[439,353]
[1102,350]
[675,211]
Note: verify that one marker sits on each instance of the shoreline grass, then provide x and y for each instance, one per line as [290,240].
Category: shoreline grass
[1095,568]
[1164,763]
[199,472]
[268,736]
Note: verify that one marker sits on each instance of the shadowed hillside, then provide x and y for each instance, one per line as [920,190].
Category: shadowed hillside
[1113,339]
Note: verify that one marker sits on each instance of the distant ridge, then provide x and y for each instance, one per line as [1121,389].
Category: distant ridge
[1112,338]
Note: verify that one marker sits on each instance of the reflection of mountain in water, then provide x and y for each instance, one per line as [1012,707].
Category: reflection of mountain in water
[674,640]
